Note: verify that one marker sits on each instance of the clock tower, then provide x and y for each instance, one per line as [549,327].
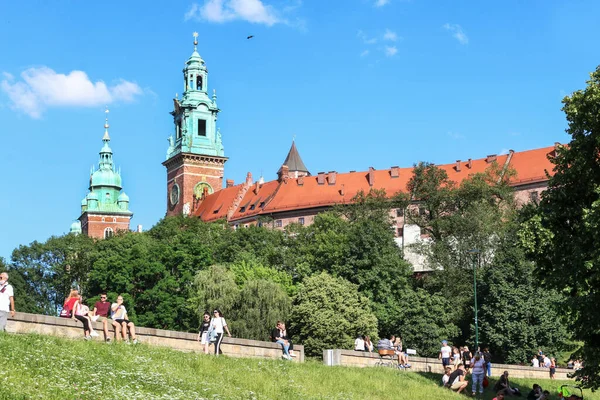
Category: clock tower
[195,157]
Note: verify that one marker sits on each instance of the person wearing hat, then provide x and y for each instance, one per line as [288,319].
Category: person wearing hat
[445,353]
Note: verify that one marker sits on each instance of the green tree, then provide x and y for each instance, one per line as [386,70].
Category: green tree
[50,269]
[329,313]
[260,304]
[214,288]
[422,319]
[517,316]
[564,238]
[249,270]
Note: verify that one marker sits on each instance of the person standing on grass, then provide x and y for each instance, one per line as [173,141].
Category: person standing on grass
[455,357]
[467,356]
[119,315]
[552,367]
[219,325]
[445,353]
[7,301]
[478,365]
[203,334]
[101,311]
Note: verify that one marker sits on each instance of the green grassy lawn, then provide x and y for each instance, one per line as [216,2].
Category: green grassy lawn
[45,367]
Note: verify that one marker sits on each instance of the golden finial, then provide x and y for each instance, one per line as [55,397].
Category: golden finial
[195,40]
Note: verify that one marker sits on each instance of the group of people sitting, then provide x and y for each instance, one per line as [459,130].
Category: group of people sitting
[103,310]
[393,345]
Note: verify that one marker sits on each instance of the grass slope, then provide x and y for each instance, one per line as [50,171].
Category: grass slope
[45,367]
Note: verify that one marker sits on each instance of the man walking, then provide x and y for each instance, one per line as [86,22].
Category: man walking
[7,300]
[101,310]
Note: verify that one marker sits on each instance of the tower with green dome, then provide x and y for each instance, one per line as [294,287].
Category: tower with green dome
[105,209]
[195,157]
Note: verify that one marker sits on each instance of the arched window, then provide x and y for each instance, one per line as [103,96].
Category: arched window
[108,232]
[114,220]
[199,82]
[103,219]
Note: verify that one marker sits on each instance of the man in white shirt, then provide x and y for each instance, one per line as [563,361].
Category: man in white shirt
[547,362]
[535,362]
[445,353]
[7,300]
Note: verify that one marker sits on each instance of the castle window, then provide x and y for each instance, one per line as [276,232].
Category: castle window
[199,82]
[400,232]
[278,223]
[400,212]
[252,206]
[191,84]
[262,204]
[107,196]
[242,209]
[201,127]
[103,219]
[301,220]
[178,130]
[108,232]
[114,220]
[533,197]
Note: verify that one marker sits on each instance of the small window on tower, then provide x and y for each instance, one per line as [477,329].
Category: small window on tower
[178,131]
[108,232]
[201,127]
[199,82]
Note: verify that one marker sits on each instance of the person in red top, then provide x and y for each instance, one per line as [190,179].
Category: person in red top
[102,311]
[70,303]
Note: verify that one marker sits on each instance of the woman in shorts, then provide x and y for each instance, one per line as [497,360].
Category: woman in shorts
[119,316]
[203,334]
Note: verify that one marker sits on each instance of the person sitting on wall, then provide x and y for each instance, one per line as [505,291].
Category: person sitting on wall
[286,337]
[368,344]
[386,344]
[457,379]
[402,356]
[119,315]
[101,311]
[278,337]
[359,343]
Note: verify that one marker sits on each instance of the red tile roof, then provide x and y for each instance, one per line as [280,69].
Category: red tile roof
[306,192]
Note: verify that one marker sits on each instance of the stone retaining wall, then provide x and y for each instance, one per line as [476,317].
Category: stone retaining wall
[351,358]
[66,327]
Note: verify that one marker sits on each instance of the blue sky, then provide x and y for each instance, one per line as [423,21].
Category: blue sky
[360,83]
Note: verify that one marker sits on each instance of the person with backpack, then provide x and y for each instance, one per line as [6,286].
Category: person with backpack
[218,326]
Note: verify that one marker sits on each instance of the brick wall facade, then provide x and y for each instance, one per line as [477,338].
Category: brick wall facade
[187,171]
[95,225]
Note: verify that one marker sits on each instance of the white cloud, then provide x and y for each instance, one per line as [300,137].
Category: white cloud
[457,32]
[254,11]
[381,3]
[364,53]
[41,88]
[390,51]
[365,39]
[390,35]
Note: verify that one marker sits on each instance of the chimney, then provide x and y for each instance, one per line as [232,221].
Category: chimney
[395,172]
[229,183]
[470,163]
[139,229]
[457,166]
[490,158]
[284,173]
[342,192]
[249,178]
[331,177]
[301,180]
[256,187]
[321,178]
[371,176]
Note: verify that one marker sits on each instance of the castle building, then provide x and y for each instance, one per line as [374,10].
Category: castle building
[105,209]
[195,165]
[195,157]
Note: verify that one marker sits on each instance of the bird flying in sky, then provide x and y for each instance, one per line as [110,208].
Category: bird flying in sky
[250,37]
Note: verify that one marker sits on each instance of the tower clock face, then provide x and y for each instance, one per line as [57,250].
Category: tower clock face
[174,195]
[199,189]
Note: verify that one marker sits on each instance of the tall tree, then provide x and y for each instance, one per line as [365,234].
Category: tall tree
[564,236]
[329,313]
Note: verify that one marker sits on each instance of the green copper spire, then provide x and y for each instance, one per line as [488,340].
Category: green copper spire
[105,183]
[195,114]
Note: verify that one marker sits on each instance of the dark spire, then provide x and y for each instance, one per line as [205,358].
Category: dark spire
[294,162]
